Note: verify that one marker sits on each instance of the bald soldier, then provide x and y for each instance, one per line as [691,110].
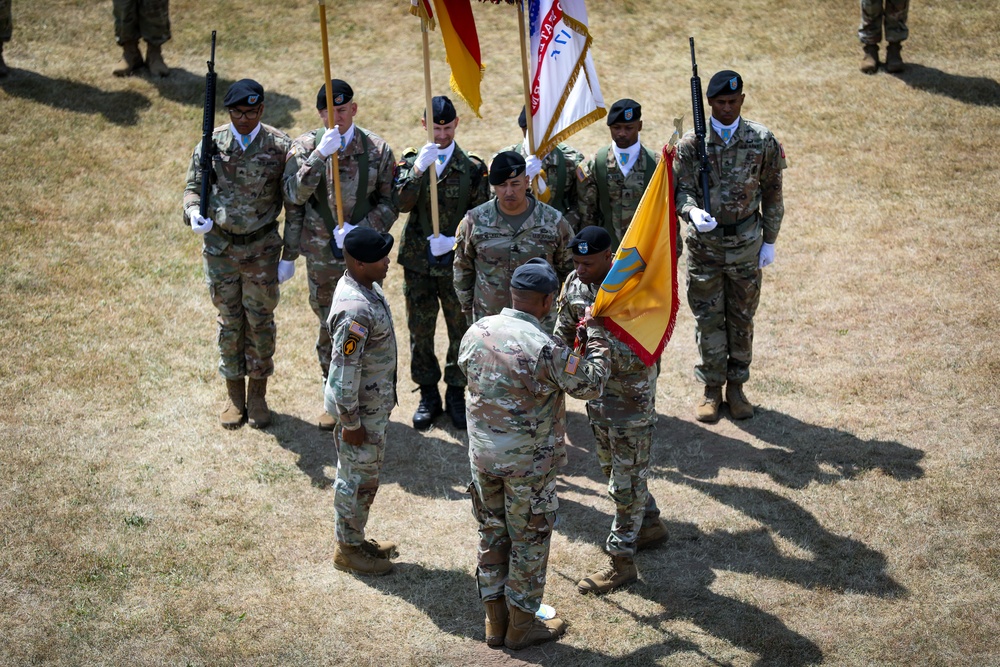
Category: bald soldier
[366,167]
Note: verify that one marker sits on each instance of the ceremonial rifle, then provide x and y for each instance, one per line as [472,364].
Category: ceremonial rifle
[700,131]
[207,125]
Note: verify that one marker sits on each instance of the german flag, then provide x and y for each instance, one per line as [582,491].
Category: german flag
[461,44]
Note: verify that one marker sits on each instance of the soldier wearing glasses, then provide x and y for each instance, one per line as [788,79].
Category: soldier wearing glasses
[242,246]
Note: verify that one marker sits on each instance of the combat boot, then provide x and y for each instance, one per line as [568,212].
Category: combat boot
[3,66]
[132,57]
[356,560]
[496,621]
[524,629]
[235,411]
[651,535]
[258,414]
[739,406]
[894,58]
[454,403]
[869,65]
[429,407]
[708,409]
[380,548]
[154,60]
[620,571]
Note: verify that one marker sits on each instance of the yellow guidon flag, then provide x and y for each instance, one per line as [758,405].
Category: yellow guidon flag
[461,44]
[638,298]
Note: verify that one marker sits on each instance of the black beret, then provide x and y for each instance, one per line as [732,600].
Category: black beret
[624,111]
[367,245]
[590,241]
[244,93]
[506,165]
[535,275]
[522,120]
[342,94]
[726,82]
[444,110]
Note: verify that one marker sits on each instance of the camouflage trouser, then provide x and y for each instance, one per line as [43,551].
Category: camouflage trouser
[6,22]
[892,12]
[422,294]
[358,468]
[723,289]
[515,516]
[623,453]
[148,19]
[243,284]
[323,274]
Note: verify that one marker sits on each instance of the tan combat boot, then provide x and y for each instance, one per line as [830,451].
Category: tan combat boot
[380,548]
[651,535]
[739,406]
[524,629]
[326,422]
[258,414]
[869,64]
[154,60]
[496,621]
[356,560]
[3,66]
[708,409]
[894,58]
[620,571]
[132,57]
[235,410]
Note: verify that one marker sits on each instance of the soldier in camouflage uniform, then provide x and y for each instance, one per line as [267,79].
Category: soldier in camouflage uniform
[360,394]
[613,181]
[428,277]
[6,32]
[148,19]
[518,377]
[622,418]
[497,237]
[366,166]
[560,167]
[873,14]
[242,246]
[728,248]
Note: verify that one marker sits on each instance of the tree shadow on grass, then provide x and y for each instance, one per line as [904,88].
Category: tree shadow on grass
[118,107]
[978,90]
[316,449]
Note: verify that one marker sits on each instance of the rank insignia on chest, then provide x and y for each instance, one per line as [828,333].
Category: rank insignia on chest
[358,330]
[350,346]
[572,363]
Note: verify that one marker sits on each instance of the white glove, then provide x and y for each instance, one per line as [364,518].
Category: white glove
[341,232]
[766,255]
[441,245]
[533,166]
[200,225]
[703,222]
[286,270]
[330,141]
[426,157]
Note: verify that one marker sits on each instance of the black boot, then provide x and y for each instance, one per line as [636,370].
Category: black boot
[454,402]
[429,408]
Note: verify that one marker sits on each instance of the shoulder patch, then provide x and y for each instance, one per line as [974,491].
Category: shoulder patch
[358,330]
[782,160]
[581,174]
[350,346]
[572,363]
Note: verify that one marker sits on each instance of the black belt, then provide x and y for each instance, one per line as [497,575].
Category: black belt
[246,239]
[736,228]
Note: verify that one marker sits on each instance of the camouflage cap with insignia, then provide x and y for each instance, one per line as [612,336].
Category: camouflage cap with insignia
[342,94]
[244,93]
[506,165]
[726,82]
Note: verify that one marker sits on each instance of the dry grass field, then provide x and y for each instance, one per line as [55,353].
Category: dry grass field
[852,522]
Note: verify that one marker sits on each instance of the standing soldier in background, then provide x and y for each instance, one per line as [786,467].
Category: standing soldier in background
[359,395]
[497,237]
[242,246]
[366,167]
[148,19]
[518,377]
[613,181]
[622,418]
[893,14]
[428,276]
[6,32]
[728,248]
[560,167]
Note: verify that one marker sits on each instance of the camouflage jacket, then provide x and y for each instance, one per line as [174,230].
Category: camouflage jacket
[572,159]
[306,232]
[413,197]
[629,397]
[518,377]
[487,251]
[745,177]
[246,188]
[624,193]
[361,386]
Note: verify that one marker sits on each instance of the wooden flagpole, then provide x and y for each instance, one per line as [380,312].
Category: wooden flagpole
[429,120]
[329,112]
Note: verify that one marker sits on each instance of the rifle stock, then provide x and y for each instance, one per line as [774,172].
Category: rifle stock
[700,131]
[207,125]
